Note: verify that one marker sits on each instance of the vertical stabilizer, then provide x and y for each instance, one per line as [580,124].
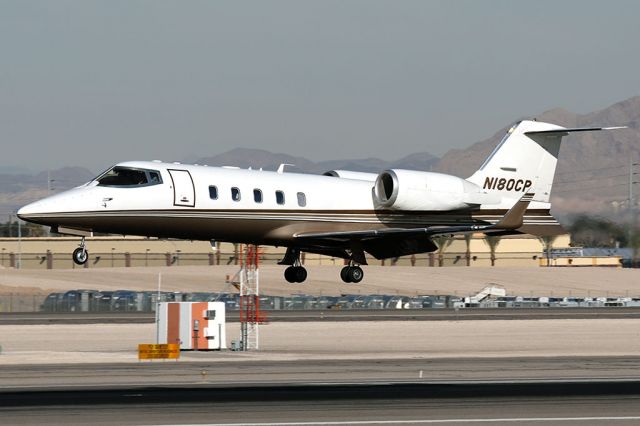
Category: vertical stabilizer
[524,161]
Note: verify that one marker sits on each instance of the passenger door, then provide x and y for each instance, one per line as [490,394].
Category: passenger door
[183,190]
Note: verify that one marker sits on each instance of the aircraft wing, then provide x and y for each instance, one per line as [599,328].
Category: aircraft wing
[394,242]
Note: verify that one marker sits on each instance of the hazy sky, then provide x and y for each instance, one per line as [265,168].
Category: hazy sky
[96,82]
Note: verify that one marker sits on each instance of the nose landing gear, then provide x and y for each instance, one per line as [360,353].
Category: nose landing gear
[81,255]
[352,274]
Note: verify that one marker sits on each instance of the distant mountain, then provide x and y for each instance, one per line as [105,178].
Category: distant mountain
[16,190]
[418,161]
[258,158]
[64,178]
[593,168]
[592,174]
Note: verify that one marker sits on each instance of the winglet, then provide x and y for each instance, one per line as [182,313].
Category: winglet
[514,217]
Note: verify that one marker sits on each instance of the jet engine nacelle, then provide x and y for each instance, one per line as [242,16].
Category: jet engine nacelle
[399,189]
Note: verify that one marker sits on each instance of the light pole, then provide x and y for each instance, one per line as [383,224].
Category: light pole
[50,182]
[49,189]
[19,264]
[632,212]
[631,182]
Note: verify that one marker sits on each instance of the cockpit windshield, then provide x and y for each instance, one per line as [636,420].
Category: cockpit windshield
[126,176]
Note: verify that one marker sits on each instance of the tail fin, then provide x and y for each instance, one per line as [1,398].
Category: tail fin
[524,161]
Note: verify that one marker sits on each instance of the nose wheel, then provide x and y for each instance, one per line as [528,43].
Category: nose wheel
[352,274]
[81,255]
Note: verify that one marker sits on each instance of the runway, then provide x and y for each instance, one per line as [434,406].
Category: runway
[454,371]
[211,371]
[33,318]
[593,403]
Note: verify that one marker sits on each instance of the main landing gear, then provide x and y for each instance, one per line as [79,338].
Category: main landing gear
[296,273]
[81,255]
[352,274]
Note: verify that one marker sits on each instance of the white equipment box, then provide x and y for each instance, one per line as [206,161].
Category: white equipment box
[194,325]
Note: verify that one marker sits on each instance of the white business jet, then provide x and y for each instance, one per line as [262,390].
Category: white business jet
[343,214]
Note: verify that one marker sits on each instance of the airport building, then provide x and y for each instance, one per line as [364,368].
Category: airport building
[107,252]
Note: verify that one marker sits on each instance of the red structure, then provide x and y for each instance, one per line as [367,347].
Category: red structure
[250,314]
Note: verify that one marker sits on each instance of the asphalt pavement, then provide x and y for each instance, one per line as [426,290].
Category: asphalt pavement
[490,403]
[32,318]
[205,372]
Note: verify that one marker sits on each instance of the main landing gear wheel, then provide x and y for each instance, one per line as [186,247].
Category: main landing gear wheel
[352,274]
[295,274]
[80,256]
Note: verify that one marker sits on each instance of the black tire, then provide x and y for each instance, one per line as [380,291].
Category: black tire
[356,274]
[289,274]
[80,256]
[344,274]
[300,274]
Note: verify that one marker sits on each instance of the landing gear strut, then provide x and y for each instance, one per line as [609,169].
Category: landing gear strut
[81,255]
[296,273]
[352,274]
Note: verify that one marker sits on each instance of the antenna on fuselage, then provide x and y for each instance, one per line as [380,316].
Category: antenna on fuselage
[281,167]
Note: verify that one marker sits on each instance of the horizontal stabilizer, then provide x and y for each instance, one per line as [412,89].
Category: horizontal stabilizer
[572,130]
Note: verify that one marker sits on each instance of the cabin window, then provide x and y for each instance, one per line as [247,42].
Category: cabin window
[280,197]
[302,199]
[213,192]
[127,176]
[257,195]
[235,194]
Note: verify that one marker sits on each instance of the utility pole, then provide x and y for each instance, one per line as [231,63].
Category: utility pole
[49,189]
[632,211]
[630,188]
[19,242]
[157,308]
[49,181]
[631,183]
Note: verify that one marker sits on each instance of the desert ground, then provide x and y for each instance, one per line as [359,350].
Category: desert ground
[324,280]
[99,343]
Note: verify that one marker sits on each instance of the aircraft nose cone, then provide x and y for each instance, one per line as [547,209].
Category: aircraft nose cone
[37,212]
[26,211]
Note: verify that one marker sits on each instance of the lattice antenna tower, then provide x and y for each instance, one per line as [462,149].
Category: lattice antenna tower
[250,315]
